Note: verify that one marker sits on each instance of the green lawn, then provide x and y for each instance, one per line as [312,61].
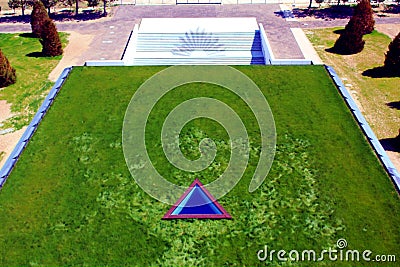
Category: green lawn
[32,84]
[71,199]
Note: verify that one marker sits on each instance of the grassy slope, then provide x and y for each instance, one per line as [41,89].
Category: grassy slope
[32,84]
[71,199]
[374,94]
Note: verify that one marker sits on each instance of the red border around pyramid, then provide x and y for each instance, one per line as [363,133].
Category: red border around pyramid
[224,215]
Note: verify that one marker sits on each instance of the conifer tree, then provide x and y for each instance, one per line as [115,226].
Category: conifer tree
[7,72]
[50,40]
[350,40]
[364,11]
[38,17]
[392,57]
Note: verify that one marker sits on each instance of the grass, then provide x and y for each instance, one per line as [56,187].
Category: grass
[71,199]
[32,84]
[376,95]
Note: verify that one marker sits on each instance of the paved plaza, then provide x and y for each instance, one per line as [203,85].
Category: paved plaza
[111,34]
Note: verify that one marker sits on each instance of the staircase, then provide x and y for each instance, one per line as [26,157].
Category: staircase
[197,46]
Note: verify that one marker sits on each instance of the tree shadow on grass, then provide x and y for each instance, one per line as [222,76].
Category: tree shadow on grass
[394,105]
[329,13]
[380,72]
[333,50]
[27,35]
[35,54]
[339,31]
[41,55]
[391,144]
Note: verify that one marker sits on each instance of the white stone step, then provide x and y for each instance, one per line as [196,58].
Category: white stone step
[199,41]
[235,61]
[182,25]
[200,54]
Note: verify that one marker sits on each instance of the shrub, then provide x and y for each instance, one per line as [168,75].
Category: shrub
[38,17]
[7,72]
[392,57]
[50,40]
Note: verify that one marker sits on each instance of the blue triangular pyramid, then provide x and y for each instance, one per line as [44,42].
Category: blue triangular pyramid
[198,203]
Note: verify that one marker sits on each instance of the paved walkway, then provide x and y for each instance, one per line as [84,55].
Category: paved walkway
[112,34]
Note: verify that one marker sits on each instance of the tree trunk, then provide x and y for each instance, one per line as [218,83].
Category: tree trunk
[23,9]
[104,7]
[76,7]
[309,6]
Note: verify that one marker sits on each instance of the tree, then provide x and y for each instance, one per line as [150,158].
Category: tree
[50,40]
[7,72]
[319,2]
[392,57]
[92,3]
[19,3]
[350,40]
[49,4]
[70,3]
[362,22]
[13,4]
[67,3]
[38,17]
[364,11]
[104,7]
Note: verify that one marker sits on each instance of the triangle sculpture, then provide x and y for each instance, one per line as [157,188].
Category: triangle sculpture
[196,203]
